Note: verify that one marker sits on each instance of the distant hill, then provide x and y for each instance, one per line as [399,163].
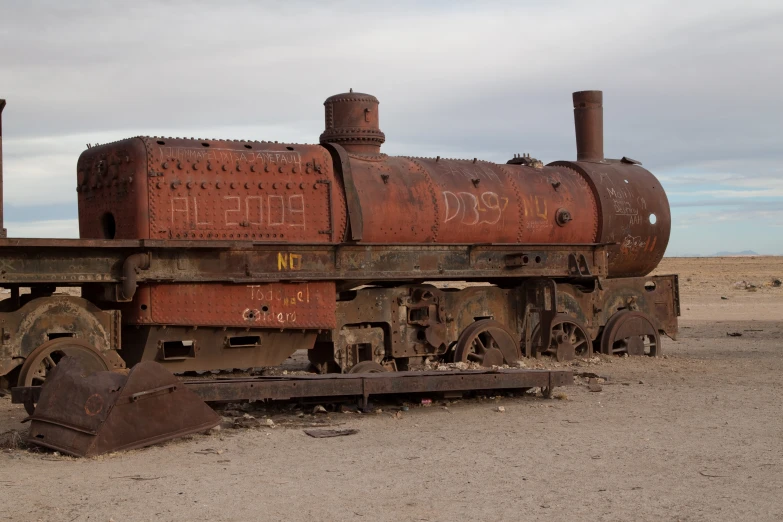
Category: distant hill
[735,254]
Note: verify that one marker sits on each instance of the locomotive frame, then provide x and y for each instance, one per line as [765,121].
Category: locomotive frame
[356,307]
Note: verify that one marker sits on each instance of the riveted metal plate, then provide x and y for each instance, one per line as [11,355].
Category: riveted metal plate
[112,191]
[171,188]
[635,215]
[415,200]
[273,305]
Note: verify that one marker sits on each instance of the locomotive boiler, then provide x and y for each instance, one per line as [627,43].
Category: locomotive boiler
[217,255]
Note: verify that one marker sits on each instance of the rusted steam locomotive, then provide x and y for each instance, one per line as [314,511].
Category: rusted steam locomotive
[211,255]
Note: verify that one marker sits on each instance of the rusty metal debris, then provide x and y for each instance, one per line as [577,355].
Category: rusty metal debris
[87,414]
[322,434]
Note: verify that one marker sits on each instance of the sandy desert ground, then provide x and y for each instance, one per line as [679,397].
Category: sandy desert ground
[694,435]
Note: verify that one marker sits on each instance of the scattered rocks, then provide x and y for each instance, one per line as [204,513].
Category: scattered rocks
[500,409]
[594,386]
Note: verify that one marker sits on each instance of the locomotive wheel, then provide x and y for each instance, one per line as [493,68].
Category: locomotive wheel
[632,333]
[43,359]
[367,367]
[487,343]
[569,340]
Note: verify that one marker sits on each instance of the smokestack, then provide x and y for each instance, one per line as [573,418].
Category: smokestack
[3,232]
[589,124]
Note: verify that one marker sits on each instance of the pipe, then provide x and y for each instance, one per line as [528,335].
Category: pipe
[3,231]
[130,270]
[589,126]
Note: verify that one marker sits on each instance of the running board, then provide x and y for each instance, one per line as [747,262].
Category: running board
[355,385]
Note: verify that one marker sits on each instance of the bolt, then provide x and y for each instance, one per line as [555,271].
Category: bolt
[563,216]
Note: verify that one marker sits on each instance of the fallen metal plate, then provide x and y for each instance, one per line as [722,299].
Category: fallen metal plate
[87,415]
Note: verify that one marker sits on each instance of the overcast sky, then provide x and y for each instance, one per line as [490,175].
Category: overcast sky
[694,90]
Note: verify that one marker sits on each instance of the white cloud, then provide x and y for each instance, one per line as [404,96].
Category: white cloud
[692,89]
[65,228]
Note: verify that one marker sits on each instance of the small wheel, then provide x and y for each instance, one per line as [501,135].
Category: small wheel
[488,343]
[367,367]
[632,333]
[43,359]
[569,339]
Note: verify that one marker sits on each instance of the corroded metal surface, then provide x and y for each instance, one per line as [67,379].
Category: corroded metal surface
[632,333]
[351,120]
[366,384]
[635,218]
[70,262]
[634,213]
[184,349]
[488,343]
[436,200]
[40,320]
[233,254]
[3,232]
[87,414]
[271,305]
[360,385]
[172,188]
[40,363]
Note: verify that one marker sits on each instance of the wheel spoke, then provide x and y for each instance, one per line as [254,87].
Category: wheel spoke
[486,342]
[479,345]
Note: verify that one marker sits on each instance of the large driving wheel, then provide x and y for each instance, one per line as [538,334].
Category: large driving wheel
[488,343]
[632,333]
[569,340]
[43,359]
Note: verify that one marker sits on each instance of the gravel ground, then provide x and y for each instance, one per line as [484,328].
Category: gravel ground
[695,435]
